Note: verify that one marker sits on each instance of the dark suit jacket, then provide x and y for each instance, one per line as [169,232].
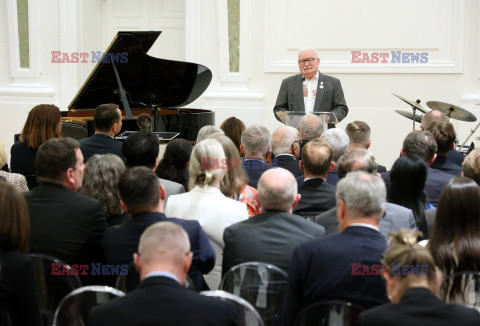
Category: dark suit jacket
[381,168]
[161,300]
[100,144]
[317,197]
[329,98]
[436,179]
[22,160]
[288,162]
[254,169]
[65,224]
[322,269]
[419,306]
[443,164]
[332,177]
[270,237]
[456,157]
[121,242]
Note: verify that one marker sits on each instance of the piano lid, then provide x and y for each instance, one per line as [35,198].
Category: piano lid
[146,79]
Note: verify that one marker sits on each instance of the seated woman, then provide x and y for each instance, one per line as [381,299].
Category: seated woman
[43,122]
[18,298]
[15,179]
[100,181]
[408,177]
[234,184]
[412,282]
[233,128]
[454,242]
[205,202]
[175,160]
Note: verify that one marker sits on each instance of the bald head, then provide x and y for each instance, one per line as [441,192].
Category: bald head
[310,126]
[277,190]
[430,117]
[283,140]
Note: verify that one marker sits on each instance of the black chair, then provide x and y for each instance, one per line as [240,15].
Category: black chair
[51,288]
[74,309]
[260,284]
[462,288]
[248,315]
[329,313]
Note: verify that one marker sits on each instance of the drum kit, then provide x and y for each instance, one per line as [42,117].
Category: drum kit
[450,110]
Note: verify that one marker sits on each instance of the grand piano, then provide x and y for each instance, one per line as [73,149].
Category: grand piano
[141,85]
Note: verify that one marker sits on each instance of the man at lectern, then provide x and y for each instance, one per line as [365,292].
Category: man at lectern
[311,91]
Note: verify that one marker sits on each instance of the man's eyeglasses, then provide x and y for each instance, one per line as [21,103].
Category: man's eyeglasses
[309,60]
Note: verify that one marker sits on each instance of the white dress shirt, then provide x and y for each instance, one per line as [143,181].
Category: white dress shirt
[310,93]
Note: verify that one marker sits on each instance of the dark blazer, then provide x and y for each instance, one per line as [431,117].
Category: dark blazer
[270,237]
[419,306]
[322,269]
[65,224]
[381,168]
[22,158]
[317,197]
[288,162]
[456,157]
[100,144]
[160,300]
[121,242]
[254,169]
[329,98]
[443,164]
[436,179]
[18,296]
[396,217]
[332,177]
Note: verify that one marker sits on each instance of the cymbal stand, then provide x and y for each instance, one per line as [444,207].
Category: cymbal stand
[414,109]
[472,131]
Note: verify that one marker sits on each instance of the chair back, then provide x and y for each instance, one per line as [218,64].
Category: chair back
[214,278]
[74,309]
[329,313]
[52,282]
[248,315]
[260,284]
[462,288]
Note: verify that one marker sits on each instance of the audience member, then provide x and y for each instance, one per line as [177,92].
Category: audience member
[163,259]
[309,127]
[205,202]
[321,269]
[143,197]
[359,133]
[423,144]
[456,233]
[338,141]
[174,165]
[317,196]
[43,122]
[286,149]
[208,130]
[413,294]
[233,128]
[408,176]
[16,179]
[255,148]
[445,136]
[107,121]
[234,183]
[18,297]
[471,166]
[64,224]
[270,237]
[100,181]
[141,149]
[395,218]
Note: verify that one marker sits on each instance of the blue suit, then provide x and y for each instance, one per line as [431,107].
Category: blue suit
[254,169]
[443,164]
[100,144]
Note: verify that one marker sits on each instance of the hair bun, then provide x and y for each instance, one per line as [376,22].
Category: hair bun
[208,177]
[405,237]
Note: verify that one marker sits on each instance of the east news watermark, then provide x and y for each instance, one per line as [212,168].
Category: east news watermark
[85,57]
[393,269]
[92,269]
[390,57]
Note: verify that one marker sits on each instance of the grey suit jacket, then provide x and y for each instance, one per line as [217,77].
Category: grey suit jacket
[396,217]
[430,216]
[171,188]
[330,98]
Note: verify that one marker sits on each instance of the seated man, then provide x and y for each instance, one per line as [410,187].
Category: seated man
[445,136]
[359,134]
[142,197]
[255,148]
[163,259]
[323,269]
[317,195]
[286,149]
[270,237]
[108,122]
[339,142]
[207,131]
[309,127]
[63,223]
[141,149]
[396,217]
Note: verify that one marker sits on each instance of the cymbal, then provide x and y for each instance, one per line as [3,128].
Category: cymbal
[409,115]
[452,111]
[415,104]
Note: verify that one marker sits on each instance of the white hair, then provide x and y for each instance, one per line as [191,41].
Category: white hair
[256,140]
[310,126]
[338,140]
[307,48]
[207,131]
[282,142]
